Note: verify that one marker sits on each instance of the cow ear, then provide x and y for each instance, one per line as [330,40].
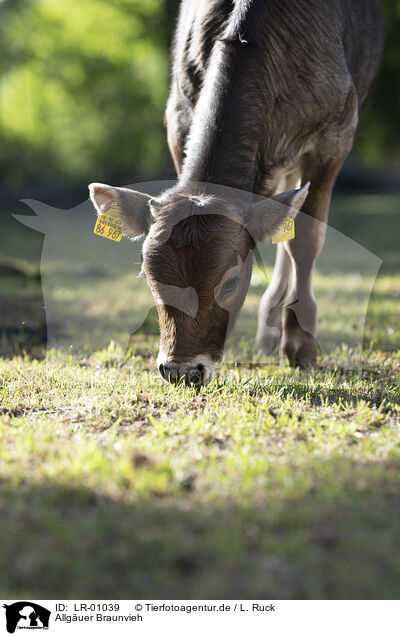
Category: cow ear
[265,217]
[133,207]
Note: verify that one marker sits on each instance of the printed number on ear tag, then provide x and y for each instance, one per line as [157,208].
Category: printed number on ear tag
[108,224]
[285,232]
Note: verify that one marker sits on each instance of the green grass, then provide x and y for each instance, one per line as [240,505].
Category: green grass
[268,483]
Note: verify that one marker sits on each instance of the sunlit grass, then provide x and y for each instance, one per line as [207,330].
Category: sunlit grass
[267,483]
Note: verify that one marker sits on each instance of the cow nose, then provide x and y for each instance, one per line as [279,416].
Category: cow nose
[193,375]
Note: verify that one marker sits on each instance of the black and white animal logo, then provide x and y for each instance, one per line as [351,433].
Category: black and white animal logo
[26,615]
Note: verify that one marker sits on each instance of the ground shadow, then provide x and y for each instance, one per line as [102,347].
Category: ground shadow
[341,542]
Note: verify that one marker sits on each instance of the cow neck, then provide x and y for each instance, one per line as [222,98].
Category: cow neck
[228,128]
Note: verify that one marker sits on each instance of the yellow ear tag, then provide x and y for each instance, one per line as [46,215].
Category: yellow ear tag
[285,232]
[108,224]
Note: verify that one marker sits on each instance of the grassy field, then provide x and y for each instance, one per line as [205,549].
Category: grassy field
[268,483]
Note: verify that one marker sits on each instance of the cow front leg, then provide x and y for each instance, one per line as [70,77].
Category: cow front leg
[270,311]
[269,327]
[299,316]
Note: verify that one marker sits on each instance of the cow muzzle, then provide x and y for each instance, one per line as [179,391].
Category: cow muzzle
[195,372]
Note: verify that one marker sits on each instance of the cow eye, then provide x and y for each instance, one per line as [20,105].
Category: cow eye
[229,286]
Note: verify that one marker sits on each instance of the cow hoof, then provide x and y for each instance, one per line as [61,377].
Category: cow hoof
[268,341]
[300,349]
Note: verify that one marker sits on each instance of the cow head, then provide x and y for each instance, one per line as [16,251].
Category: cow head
[197,259]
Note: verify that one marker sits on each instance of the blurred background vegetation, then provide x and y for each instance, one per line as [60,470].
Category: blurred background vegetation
[83,87]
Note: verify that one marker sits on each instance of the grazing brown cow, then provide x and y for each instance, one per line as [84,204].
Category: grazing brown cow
[265,97]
